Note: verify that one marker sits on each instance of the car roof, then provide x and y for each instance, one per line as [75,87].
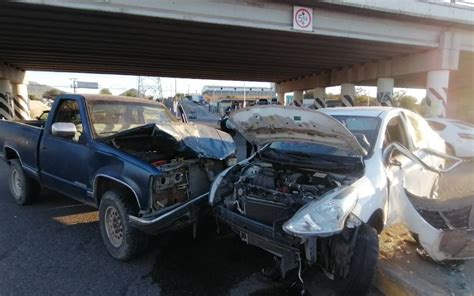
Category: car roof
[358,111]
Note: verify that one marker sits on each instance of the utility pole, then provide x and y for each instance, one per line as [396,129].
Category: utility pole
[176,87]
[245,99]
[74,84]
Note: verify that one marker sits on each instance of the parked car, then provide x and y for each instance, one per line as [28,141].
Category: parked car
[324,183]
[458,135]
[192,114]
[144,170]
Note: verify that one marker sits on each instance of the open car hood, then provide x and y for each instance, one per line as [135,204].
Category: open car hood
[265,124]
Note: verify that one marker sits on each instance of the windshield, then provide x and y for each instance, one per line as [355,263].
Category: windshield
[364,128]
[110,117]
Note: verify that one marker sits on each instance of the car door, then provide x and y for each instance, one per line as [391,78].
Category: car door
[64,162]
[421,138]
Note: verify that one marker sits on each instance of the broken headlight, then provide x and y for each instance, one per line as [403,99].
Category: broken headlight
[324,217]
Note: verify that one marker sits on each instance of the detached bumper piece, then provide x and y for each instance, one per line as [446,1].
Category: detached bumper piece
[265,237]
[157,222]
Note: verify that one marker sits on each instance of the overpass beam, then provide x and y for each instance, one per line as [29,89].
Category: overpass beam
[5,99]
[437,83]
[347,94]
[298,98]
[385,91]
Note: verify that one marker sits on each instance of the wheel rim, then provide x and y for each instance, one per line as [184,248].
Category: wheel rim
[16,183]
[114,226]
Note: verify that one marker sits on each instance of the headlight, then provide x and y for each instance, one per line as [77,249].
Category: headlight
[324,217]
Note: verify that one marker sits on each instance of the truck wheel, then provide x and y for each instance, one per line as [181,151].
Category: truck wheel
[121,240]
[361,265]
[23,188]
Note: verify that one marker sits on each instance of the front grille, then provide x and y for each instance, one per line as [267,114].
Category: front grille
[450,219]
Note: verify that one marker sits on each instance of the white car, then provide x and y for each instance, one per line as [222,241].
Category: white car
[458,135]
[324,183]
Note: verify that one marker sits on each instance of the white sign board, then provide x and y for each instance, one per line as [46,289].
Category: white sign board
[84,84]
[302,18]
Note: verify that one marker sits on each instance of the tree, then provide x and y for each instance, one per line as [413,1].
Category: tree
[402,100]
[33,97]
[130,93]
[105,91]
[52,93]
[362,98]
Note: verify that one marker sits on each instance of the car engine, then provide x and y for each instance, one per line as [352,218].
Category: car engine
[271,194]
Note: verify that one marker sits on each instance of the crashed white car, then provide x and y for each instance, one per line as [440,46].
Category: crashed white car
[323,183]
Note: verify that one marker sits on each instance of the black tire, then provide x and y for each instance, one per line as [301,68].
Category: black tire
[23,188]
[122,241]
[362,264]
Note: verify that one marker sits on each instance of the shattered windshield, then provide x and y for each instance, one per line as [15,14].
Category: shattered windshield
[110,117]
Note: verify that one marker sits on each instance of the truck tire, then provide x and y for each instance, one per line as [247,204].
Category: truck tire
[362,264]
[121,240]
[23,188]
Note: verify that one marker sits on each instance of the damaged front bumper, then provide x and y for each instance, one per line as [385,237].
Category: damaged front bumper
[168,218]
[278,243]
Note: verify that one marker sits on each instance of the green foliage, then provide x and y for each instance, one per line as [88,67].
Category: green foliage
[33,97]
[105,91]
[308,95]
[130,93]
[52,93]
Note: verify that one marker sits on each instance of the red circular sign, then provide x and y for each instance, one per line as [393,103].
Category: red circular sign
[303,18]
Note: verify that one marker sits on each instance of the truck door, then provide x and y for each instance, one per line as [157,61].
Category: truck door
[64,162]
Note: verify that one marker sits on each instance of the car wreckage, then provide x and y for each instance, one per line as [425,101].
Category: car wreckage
[324,183]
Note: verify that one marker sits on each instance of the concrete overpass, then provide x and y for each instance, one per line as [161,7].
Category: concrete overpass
[406,43]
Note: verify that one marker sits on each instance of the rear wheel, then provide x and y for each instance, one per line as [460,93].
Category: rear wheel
[23,188]
[121,240]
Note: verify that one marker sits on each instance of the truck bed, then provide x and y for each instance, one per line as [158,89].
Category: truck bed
[22,137]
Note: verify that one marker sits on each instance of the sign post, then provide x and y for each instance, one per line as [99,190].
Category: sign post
[302,18]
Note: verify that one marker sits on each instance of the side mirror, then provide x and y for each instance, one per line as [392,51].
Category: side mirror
[63,129]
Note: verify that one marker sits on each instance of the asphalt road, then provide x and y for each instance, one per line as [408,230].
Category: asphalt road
[54,247]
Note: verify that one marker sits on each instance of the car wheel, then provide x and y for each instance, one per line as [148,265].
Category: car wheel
[450,150]
[23,188]
[355,276]
[121,240]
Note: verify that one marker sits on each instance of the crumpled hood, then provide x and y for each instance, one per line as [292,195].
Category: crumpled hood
[265,124]
[205,141]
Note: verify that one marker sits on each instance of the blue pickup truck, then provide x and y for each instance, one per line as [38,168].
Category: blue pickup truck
[145,170]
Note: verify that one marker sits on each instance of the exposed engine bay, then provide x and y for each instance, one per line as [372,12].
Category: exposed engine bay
[184,172]
[271,193]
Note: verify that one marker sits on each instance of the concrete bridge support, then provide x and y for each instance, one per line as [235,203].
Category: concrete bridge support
[319,97]
[298,98]
[385,91]
[281,98]
[347,94]
[437,83]
[14,102]
[6,105]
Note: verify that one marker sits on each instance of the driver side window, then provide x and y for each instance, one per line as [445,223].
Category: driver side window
[68,111]
[395,132]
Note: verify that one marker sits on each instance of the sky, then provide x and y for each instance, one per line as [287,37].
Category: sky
[120,83]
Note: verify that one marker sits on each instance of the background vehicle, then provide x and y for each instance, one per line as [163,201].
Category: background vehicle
[458,135]
[143,169]
[321,187]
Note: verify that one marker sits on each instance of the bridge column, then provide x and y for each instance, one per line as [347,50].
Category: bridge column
[6,108]
[21,102]
[281,98]
[347,94]
[385,91]
[319,97]
[437,92]
[298,98]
